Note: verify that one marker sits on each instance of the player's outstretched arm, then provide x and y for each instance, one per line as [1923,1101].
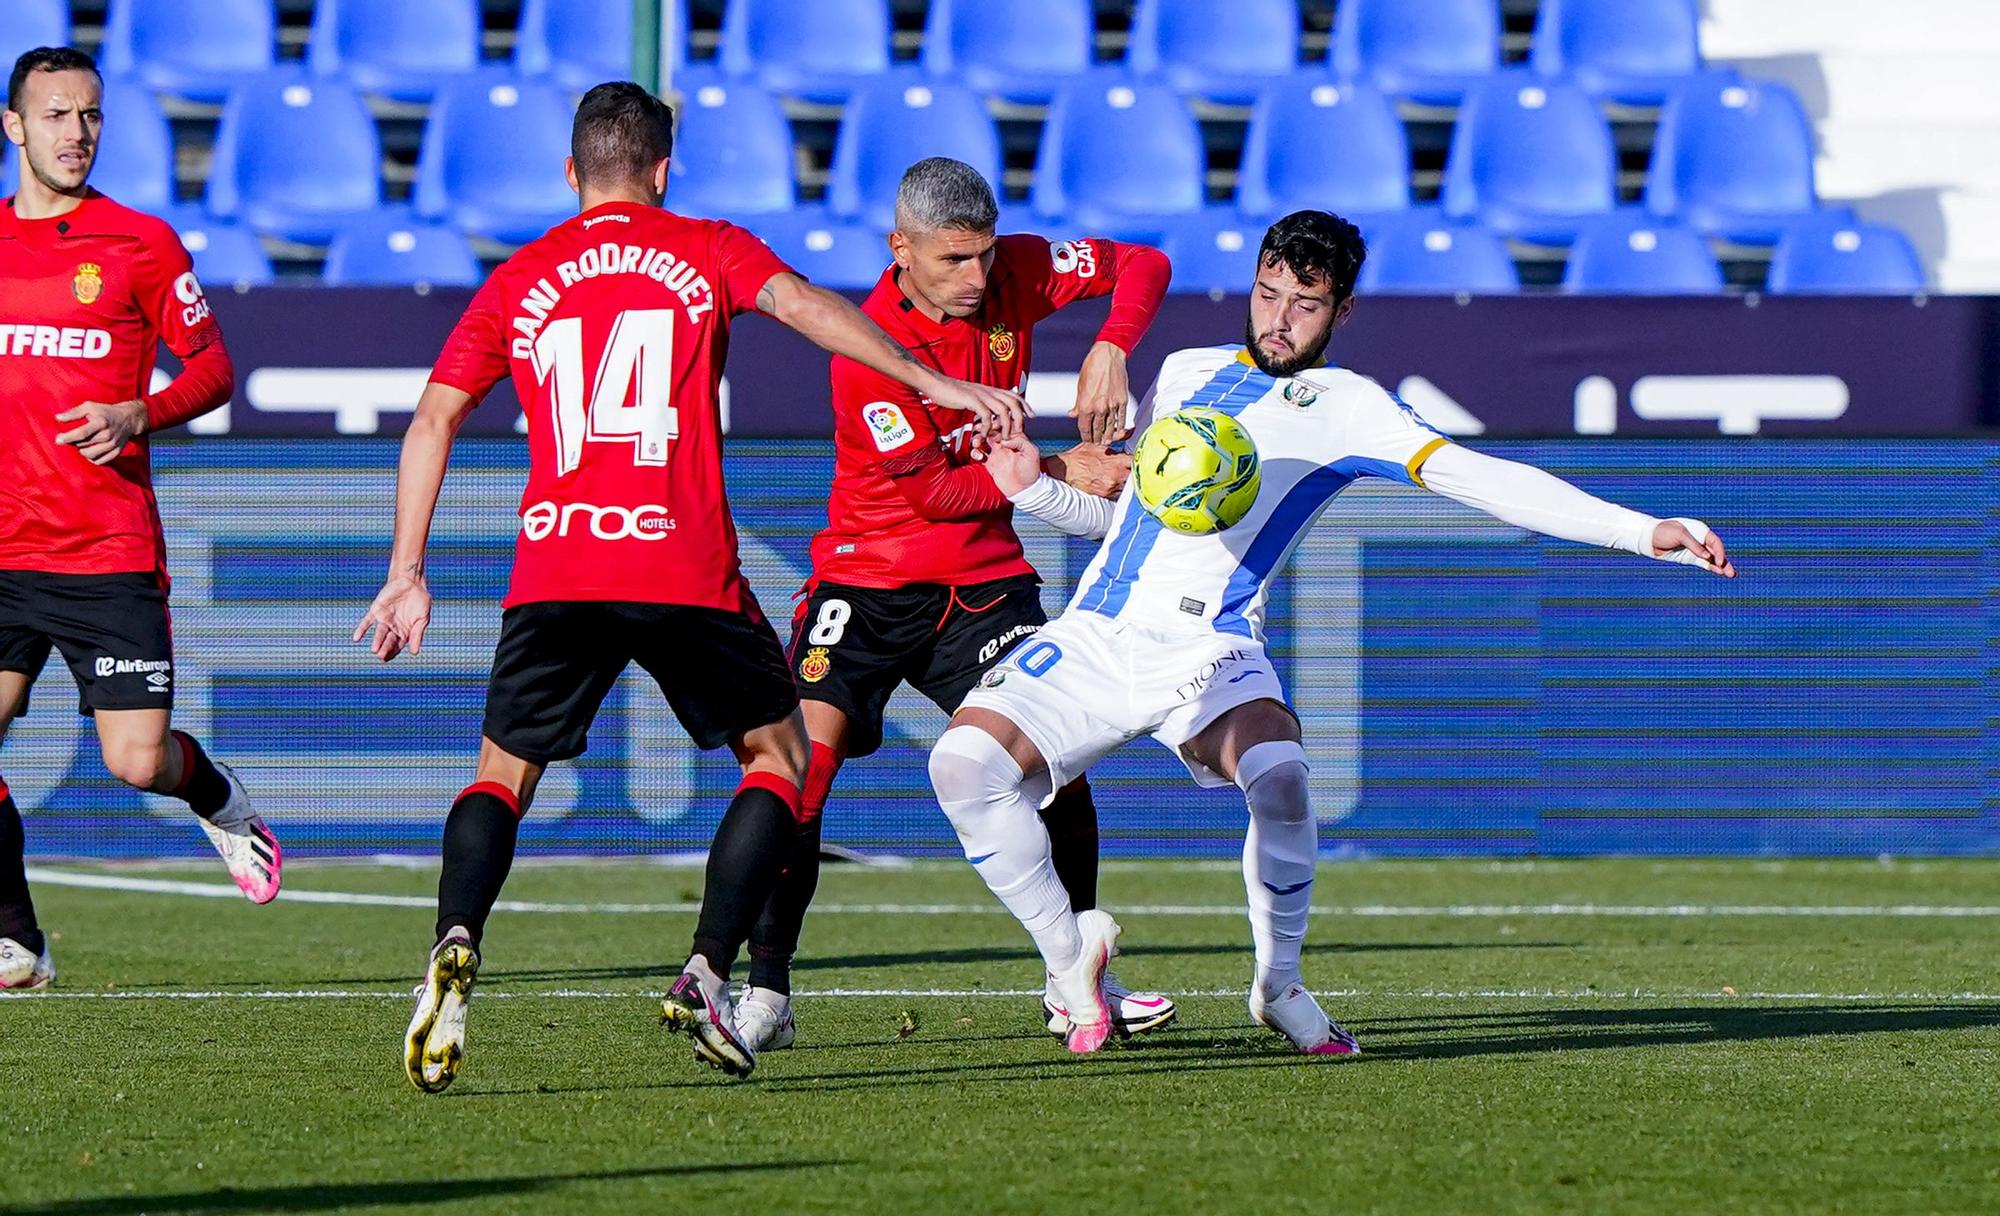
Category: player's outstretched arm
[402,609]
[1529,498]
[833,324]
[1016,467]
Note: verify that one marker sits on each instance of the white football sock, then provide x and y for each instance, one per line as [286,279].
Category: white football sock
[1280,849]
[992,809]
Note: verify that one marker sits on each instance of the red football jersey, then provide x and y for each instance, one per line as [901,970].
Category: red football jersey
[874,537]
[89,297]
[615,325]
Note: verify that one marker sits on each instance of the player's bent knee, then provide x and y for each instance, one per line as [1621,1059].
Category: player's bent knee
[139,765]
[973,773]
[1273,778]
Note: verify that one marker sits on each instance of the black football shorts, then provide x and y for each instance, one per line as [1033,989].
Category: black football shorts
[112,630]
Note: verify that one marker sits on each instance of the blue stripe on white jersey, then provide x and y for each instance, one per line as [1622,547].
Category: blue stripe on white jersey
[1139,530]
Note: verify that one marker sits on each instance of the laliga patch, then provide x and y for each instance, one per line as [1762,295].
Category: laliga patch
[814,667]
[88,283]
[887,424]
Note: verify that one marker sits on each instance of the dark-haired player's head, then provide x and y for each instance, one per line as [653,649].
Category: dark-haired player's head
[943,242]
[1306,270]
[619,145]
[55,112]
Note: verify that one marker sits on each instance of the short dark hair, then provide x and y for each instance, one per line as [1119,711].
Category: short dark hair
[46,59]
[621,132]
[1316,245]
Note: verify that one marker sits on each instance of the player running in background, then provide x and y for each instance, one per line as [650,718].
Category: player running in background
[614,326]
[919,576]
[1165,636]
[92,289]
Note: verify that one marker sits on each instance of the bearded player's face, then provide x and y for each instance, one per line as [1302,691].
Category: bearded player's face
[1290,321]
[947,267]
[58,125]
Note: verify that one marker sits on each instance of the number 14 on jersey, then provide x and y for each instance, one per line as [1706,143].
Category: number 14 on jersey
[628,400]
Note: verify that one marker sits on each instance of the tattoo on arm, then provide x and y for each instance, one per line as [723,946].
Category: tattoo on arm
[767,300]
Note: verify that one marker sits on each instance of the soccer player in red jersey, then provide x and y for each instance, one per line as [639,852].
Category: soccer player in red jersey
[919,576]
[614,326]
[91,290]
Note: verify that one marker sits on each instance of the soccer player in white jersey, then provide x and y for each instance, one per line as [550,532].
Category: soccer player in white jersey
[1165,635]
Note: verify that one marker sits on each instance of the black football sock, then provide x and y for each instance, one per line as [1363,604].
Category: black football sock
[479,839]
[775,939]
[749,852]
[1071,819]
[202,786]
[17,911]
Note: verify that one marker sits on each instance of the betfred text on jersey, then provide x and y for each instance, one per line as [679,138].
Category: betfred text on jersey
[647,521]
[51,342]
[682,278]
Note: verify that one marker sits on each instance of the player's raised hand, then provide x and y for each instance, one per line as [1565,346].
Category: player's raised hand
[1092,468]
[1002,414]
[1692,543]
[1102,389]
[102,429]
[399,615]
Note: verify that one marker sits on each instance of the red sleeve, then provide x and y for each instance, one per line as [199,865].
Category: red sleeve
[744,265]
[474,358]
[172,299]
[887,422]
[1057,273]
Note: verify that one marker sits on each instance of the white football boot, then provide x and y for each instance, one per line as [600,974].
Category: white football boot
[1080,989]
[434,1044]
[22,971]
[1131,1012]
[247,846]
[764,1020]
[1298,1017]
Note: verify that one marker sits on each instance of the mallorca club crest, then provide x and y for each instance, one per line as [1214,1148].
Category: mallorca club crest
[88,283]
[1000,341]
[813,668]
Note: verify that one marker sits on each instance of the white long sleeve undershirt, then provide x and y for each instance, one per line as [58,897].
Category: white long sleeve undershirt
[1526,497]
[1065,508]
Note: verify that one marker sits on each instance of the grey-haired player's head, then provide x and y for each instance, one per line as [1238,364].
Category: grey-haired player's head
[619,145]
[943,242]
[55,113]
[1306,270]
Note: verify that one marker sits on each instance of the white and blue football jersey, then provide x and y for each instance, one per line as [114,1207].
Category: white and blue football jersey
[1316,433]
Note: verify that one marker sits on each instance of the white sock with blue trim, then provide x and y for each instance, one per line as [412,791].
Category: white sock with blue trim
[1280,849]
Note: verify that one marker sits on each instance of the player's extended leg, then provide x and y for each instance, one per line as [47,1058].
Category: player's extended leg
[990,779]
[744,862]
[478,851]
[24,949]
[764,1015]
[142,750]
[1257,746]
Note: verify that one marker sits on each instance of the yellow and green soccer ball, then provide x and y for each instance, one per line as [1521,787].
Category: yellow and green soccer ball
[1196,470]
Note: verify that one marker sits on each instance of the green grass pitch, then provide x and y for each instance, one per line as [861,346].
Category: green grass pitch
[1589,1036]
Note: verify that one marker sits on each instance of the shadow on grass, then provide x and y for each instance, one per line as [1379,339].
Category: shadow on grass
[328,1196]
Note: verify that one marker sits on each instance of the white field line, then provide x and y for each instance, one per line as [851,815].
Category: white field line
[1366,994]
[220,890]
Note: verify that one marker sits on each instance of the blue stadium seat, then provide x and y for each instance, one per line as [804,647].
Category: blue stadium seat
[1633,253]
[193,50]
[1532,158]
[29,24]
[224,254]
[135,154]
[395,47]
[1630,51]
[392,249]
[581,43]
[1215,251]
[733,154]
[295,156]
[814,49]
[1437,259]
[1116,156]
[1426,50]
[891,123]
[1223,52]
[1314,142]
[1836,254]
[1733,158]
[1022,50]
[492,157]
[831,252]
